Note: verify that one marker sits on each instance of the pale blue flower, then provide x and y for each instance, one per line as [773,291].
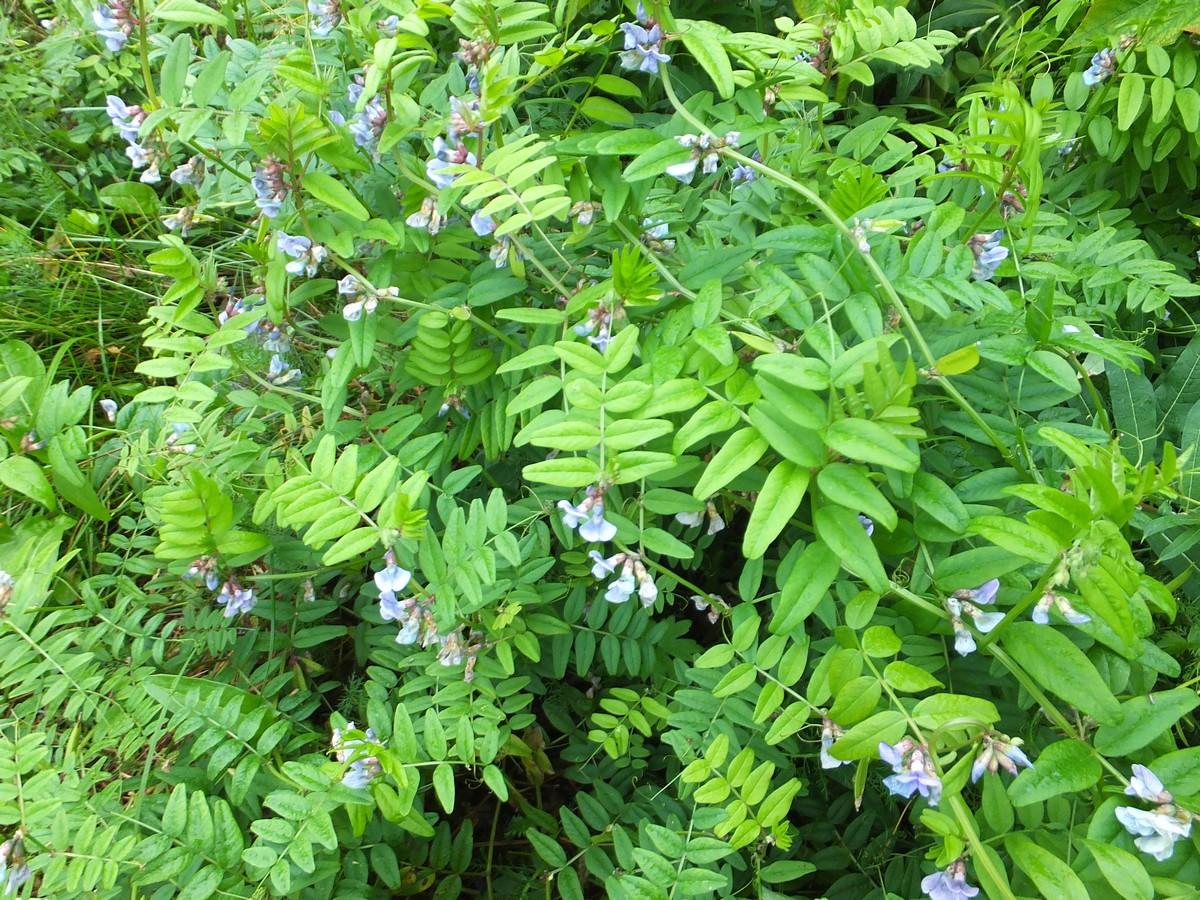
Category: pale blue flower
[328,14]
[191,172]
[279,373]
[830,732]
[914,771]
[235,599]
[14,868]
[482,225]
[113,23]
[364,765]
[369,124]
[1145,785]
[950,884]
[572,515]
[1155,832]
[621,589]
[643,48]
[597,528]
[867,524]
[126,119]
[110,409]
[446,155]
[988,252]
[392,578]
[602,567]
[1103,64]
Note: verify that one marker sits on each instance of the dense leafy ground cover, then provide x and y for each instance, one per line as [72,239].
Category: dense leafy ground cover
[497,448]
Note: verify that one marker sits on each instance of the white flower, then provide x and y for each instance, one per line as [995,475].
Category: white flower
[1155,832]
[621,589]
[1145,785]
[690,519]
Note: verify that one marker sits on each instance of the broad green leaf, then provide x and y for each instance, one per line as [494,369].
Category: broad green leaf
[939,709]
[1122,870]
[1055,663]
[1135,412]
[704,40]
[1145,719]
[23,475]
[776,503]
[907,678]
[806,584]
[1053,878]
[862,741]
[605,110]
[1016,537]
[849,486]
[1061,768]
[334,194]
[870,442]
[844,533]
[741,451]
[190,12]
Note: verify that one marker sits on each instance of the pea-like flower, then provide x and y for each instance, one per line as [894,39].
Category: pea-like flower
[706,152]
[643,47]
[445,155]
[654,236]
[182,220]
[145,158]
[114,23]
[950,884]
[14,867]
[328,14]
[914,771]
[191,172]
[369,124]
[392,577]
[125,118]
[1103,65]
[364,765]
[7,583]
[588,517]
[1155,833]
[306,256]
[988,252]
[1041,612]
[235,598]
[109,407]
[830,732]
[603,567]
[999,752]
[270,189]
[427,217]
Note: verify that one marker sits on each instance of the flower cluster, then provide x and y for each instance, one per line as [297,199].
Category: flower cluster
[744,174]
[1155,831]
[830,732]
[963,603]
[950,884]
[988,253]
[706,153]
[446,154]
[427,217]
[654,236]
[643,44]
[588,517]
[364,765]
[597,327]
[369,124]
[328,14]
[999,752]
[416,619]
[484,225]
[235,306]
[128,121]
[14,868]
[306,256]
[269,187]
[190,173]
[914,770]
[633,577]
[1041,612]
[114,22]
[182,220]
[235,598]
[692,519]
[359,299]
[1103,64]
